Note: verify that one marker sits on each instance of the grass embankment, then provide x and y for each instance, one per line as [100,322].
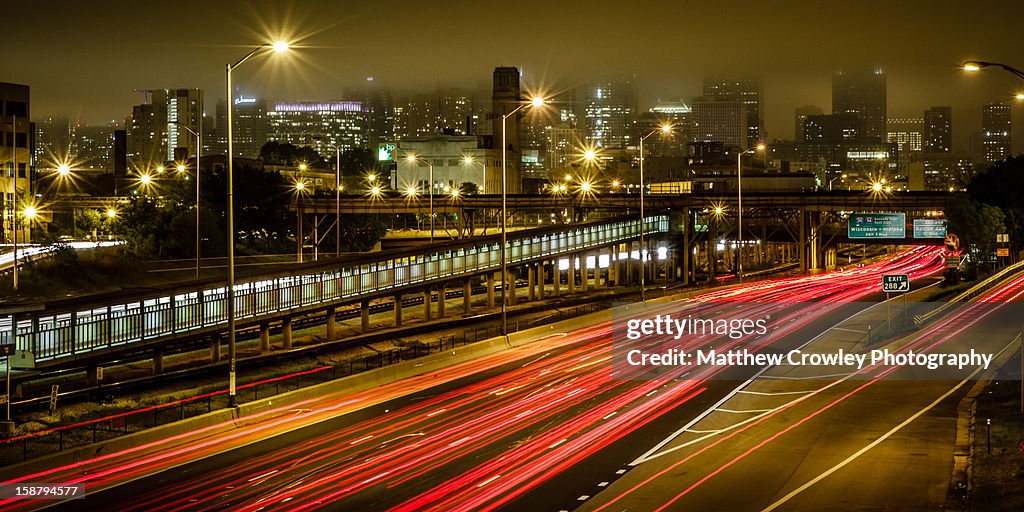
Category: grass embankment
[998,480]
[67,272]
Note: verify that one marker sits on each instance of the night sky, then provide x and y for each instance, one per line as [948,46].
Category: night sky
[85,58]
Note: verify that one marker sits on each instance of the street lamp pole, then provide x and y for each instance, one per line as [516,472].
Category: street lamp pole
[14,211]
[739,205]
[412,158]
[536,102]
[975,65]
[843,176]
[199,151]
[337,202]
[666,128]
[279,46]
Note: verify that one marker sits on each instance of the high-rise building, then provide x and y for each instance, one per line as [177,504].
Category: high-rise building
[380,106]
[906,133]
[746,91]
[248,127]
[158,128]
[863,95]
[720,121]
[53,139]
[94,147]
[802,113]
[184,113]
[995,131]
[507,96]
[323,125]
[937,136]
[609,107]
[679,116]
[15,153]
[832,128]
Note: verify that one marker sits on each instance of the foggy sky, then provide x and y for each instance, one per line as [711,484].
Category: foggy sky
[85,58]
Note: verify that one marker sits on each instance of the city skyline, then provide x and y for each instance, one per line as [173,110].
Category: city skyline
[557,47]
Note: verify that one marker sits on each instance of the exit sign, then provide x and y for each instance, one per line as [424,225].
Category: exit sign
[895,283]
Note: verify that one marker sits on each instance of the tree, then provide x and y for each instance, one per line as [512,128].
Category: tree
[276,153]
[976,224]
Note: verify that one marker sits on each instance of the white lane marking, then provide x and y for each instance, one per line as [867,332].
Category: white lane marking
[762,393]
[885,436]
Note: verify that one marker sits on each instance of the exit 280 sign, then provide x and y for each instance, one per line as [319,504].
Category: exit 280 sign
[895,283]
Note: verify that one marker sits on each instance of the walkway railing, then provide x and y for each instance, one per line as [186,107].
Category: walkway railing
[55,333]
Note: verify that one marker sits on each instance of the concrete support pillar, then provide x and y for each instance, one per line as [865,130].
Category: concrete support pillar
[398,310]
[802,245]
[609,272]
[426,305]
[556,277]
[91,375]
[332,327]
[467,297]
[364,315]
[572,273]
[441,302]
[584,272]
[490,290]
[286,332]
[815,245]
[541,277]
[511,290]
[158,361]
[215,348]
[264,337]
[629,264]
[531,281]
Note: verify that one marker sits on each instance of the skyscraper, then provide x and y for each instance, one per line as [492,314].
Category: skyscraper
[53,139]
[863,95]
[995,131]
[506,96]
[906,133]
[720,121]
[938,130]
[157,128]
[746,91]
[609,107]
[802,113]
[15,151]
[249,127]
[324,125]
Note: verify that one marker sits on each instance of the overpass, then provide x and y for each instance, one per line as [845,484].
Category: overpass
[90,330]
[806,201]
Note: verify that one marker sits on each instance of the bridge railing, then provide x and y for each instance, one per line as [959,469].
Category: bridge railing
[51,335]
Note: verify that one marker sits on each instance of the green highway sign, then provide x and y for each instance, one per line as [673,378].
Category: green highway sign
[895,283]
[929,228]
[877,225]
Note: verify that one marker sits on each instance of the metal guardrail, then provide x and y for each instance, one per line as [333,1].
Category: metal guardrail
[969,294]
[65,437]
[54,334]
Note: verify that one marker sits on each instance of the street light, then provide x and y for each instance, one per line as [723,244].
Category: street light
[834,179]
[279,47]
[739,203]
[977,65]
[411,158]
[664,129]
[537,101]
[181,168]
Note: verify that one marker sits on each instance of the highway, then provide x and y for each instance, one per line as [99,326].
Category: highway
[520,429]
[879,439]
